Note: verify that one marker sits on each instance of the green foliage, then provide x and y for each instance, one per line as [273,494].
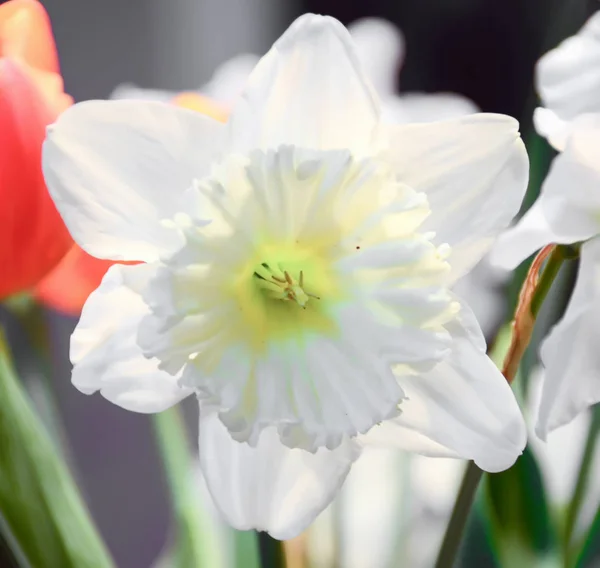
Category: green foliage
[518,513]
[41,509]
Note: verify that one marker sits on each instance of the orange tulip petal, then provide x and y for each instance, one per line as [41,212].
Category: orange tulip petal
[25,34]
[68,286]
[33,237]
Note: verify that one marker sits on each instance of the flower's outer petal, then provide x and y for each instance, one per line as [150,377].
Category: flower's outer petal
[26,35]
[129,91]
[116,169]
[309,91]
[68,286]
[269,487]
[424,107]
[32,235]
[199,103]
[104,351]
[568,76]
[568,208]
[550,126]
[380,46]
[463,407]
[474,171]
[229,79]
[570,353]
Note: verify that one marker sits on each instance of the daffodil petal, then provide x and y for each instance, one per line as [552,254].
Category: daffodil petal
[568,209]
[549,125]
[308,90]
[104,351]
[568,76]
[570,353]
[463,407]
[116,169]
[380,46]
[269,487]
[474,171]
[426,107]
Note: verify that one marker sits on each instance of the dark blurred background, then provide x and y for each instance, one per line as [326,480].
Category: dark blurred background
[483,49]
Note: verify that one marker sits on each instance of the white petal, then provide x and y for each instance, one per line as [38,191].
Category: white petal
[568,208]
[104,351]
[115,169]
[568,76]
[570,353]
[129,91]
[484,288]
[474,171]
[421,107]
[269,487]
[309,91]
[465,406]
[380,48]
[229,79]
[549,125]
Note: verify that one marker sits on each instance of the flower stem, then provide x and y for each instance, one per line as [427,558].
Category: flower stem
[531,297]
[272,554]
[587,460]
[194,545]
[458,519]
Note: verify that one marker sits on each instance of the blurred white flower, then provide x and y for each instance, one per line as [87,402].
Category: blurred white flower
[560,456]
[568,82]
[296,265]
[567,211]
[380,46]
[224,86]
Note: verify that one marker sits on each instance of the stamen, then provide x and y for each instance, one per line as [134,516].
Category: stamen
[285,288]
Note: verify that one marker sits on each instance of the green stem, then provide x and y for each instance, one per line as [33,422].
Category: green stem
[272,554]
[585,467]
[473,475]
[547,277]
[194,545]
[246,549]
[458,520]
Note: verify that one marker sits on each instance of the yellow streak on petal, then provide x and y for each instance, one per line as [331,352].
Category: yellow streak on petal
[201,104]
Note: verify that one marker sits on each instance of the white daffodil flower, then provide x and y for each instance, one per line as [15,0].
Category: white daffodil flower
[296,265]
[567,211]
[568,82]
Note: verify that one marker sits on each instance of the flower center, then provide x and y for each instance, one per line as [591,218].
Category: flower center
[285,290]
[277,283]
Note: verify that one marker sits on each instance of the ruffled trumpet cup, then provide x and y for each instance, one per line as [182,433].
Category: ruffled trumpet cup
[296,266]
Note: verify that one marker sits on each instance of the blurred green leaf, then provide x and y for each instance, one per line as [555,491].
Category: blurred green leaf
[41,508]
[477,549]
[589,556]
[518,513]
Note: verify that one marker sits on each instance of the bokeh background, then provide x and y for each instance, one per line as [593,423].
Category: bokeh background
[483,49]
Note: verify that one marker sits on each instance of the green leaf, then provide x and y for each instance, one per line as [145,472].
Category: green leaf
[41,509]
[518,512]
[477,549]
[589,556]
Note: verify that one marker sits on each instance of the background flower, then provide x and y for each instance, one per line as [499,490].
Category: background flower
[32,235]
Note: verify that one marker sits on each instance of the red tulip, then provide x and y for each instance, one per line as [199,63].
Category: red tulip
[33,238]
[67,287]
